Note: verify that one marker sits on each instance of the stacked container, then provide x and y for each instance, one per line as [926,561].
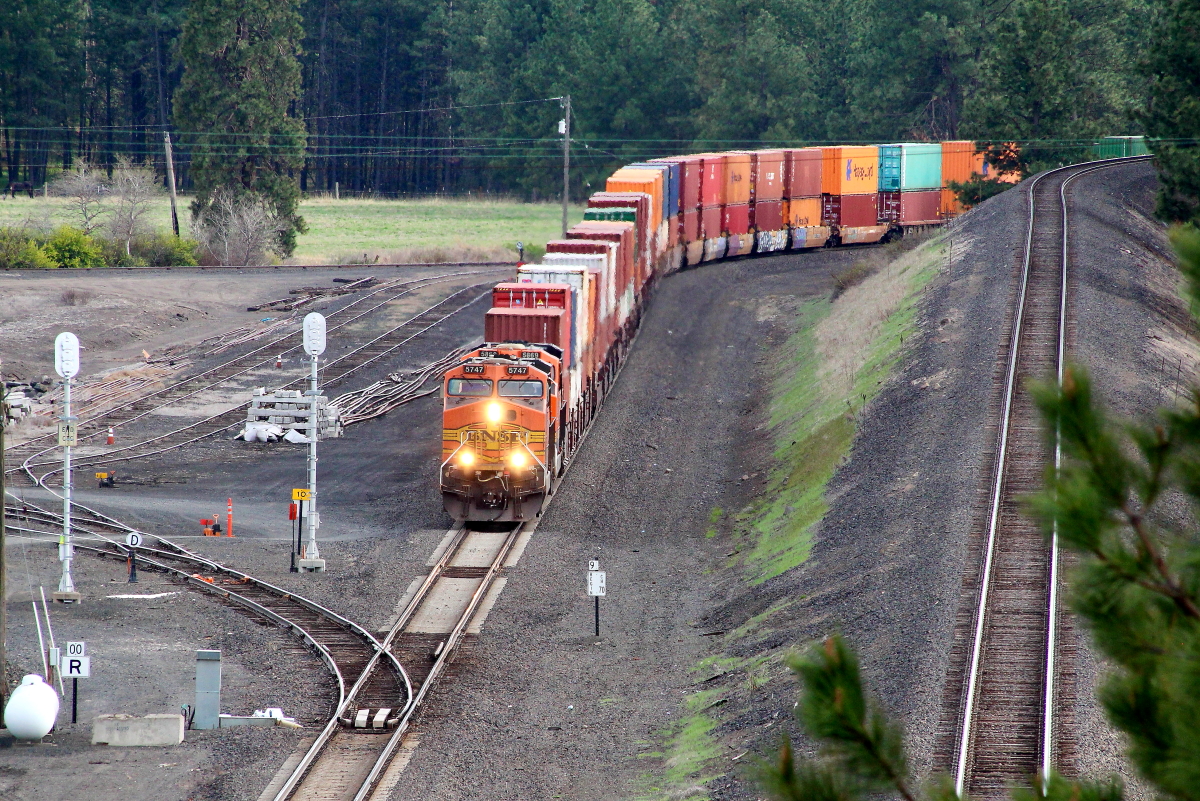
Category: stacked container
[850,191]
[735,217]
[622,234]
[668,234]
[767,216]
[686,225]
[1115,147]
[802,193]
[712,203]
[651,181]
[910,183]
[640,203]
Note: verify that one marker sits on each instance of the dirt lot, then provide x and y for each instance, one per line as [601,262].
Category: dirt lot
[537,707]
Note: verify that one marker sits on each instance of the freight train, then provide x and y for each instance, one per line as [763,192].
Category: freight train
[516,408]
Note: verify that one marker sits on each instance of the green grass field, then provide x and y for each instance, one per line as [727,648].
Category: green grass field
[341,231]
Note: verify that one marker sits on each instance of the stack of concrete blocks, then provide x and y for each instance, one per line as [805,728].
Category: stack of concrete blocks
[290,410]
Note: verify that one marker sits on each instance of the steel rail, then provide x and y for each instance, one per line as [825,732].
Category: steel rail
[110,457]
[409,287]
[970,697]
[443,658]
[181,554]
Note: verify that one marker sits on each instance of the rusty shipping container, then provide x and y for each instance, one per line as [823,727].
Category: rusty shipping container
[691,226]
[735,219]
[545,325]
[768,174]
[710,221]
[911,208]
[739,184]
[803,172]
[712,180]
[852,211]
[768,215]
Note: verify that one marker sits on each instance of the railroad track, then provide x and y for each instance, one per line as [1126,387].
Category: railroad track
[352,763]
[347,649]
[335,371]
[1005,721]
[262,356]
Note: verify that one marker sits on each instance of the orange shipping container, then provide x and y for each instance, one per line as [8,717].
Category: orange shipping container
[804,212]
[850,170]
[768,175]
[738,185]
[958,161]
[631,179]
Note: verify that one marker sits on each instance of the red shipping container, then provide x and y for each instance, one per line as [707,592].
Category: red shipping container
[850,211]
[673,224]
[710,223]
[768,174]
[911,208]
[619,232]
[550,326]
[712,181]
[768,215]
[639,200]
[531,296]
[736,219]
[691,226]
[803,172]
[690,168]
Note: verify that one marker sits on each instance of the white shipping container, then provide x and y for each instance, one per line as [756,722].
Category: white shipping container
[578,279]
[605,266]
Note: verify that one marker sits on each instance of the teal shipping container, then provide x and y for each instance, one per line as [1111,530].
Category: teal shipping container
[614,214]
[906,167]
[1116,147]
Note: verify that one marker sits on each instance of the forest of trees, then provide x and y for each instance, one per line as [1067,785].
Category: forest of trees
[456,96]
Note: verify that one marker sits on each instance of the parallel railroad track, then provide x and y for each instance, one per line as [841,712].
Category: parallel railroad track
[346,648]
[335,371]
[1005,720]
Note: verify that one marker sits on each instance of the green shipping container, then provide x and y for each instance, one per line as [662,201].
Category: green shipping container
[1116,147]
[909,166]
[611,214]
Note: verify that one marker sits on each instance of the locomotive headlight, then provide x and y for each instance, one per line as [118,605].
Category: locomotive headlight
[467,459]
[517,459]
[494,412]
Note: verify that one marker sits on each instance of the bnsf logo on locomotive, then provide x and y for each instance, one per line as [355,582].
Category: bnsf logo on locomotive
[493,438]
[473,369]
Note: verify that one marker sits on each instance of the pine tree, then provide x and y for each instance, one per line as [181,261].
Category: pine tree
[233,106]
[1172,117]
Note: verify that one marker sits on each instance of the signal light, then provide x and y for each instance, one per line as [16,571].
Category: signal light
[467,459]
[494,412]
[517,459]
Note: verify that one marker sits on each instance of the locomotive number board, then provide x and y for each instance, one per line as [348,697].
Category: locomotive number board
[518,371]
[473,369]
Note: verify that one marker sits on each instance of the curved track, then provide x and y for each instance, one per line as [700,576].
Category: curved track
[1006,727]
[335,371]
[346,648]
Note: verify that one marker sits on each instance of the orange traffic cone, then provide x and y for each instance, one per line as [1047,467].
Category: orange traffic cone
[111,437]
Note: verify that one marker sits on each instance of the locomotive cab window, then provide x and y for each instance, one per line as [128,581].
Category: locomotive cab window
[470,387]
[521,389]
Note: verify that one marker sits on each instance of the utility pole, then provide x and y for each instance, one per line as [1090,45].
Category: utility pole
[170,174]
[314,346]
[565,129]
[66,364]
[3,564]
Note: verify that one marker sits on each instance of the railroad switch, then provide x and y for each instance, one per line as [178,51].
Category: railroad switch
[106,479]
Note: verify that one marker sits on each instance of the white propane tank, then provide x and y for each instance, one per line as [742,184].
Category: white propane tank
[32,709]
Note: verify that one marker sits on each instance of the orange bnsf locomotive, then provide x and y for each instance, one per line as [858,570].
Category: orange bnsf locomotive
[499,432]
[516,410]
